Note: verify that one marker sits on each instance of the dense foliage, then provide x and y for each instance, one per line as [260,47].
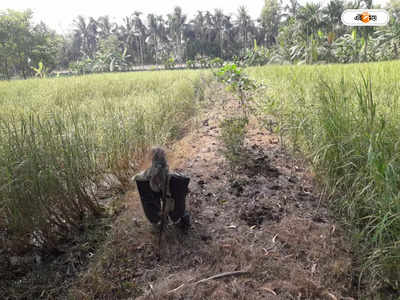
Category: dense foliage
[345,119]
[283,34]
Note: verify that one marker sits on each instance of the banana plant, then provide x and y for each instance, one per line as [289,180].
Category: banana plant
[40,71]
[348,48]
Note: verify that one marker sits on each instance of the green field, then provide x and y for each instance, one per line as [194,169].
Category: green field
[346,120]
[57,135]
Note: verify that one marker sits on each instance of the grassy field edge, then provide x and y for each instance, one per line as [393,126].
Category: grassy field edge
[345,119]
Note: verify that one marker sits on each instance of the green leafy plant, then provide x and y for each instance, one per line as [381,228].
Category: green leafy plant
[84,66]
[40,71]
[258,56]
[233,129]
[170,63]
[216,62]
[191,64]
[239,83]
[233,133]
[203,62]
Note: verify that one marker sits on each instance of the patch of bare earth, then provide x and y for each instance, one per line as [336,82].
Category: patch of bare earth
[264,218]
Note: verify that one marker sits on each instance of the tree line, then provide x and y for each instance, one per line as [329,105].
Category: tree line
[291,33]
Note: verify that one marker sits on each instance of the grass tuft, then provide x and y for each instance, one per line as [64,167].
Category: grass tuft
[346,119]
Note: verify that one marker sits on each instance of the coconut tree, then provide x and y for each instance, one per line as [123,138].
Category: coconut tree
[332,17]
[152,39]
[140,34]
[270,21]
[81,34]
[291,9]
[157,36]
[92,37]
[198,25]
[310,19]
[176,24]
[105,27]
[218,20]
[128,37]
[245,27]
[228,38]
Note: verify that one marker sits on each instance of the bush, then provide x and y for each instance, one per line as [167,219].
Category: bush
[233,133]
[216,62]
[84,66]
[191,64]
[258,56]
[170,63]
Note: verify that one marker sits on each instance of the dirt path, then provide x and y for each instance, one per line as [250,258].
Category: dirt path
[265,219]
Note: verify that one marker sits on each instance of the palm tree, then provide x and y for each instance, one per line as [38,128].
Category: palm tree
[218,23]
[140,33]
[81,34]
[196,34]
[332,16]
[245,27]
[153,32]
[310,18]
[292,8]
[92,36]
[270,21]
[156,34]
[127,36]
[105,26]
[85,34]
[198,25]
[176,24]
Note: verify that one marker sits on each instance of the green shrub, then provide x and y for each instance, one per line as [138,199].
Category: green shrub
[191,64]
[232,136]
[239,83]
[216,62]
[169,63]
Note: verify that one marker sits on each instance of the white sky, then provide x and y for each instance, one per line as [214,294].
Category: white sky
[59,14]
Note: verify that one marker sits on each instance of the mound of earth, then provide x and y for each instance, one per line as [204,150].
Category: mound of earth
[260,228]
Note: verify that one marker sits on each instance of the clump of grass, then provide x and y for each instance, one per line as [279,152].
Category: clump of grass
[58,135]
[357,149]
[46,167]
[348,124]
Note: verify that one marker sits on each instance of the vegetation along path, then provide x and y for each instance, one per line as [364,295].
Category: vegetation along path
[264,219]
[260,228]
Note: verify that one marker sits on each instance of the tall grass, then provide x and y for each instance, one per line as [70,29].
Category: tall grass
[58,135]
[347,120]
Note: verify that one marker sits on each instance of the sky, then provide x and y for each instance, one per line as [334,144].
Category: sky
[59,15]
